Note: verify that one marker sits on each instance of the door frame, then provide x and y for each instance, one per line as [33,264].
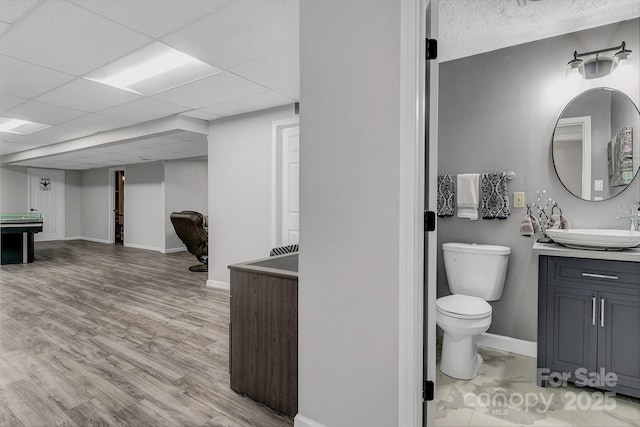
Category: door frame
[112,202]
[276,176]
[61,196]
[585,125]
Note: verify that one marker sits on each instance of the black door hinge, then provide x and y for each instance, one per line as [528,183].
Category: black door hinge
[428,390]
[429,221]
[432,49]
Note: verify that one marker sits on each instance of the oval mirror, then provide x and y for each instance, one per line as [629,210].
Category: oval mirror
[595,146]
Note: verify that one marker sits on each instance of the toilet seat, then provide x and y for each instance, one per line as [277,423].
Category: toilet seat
[463,307]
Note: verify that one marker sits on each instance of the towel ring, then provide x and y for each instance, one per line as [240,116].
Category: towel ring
[556,206]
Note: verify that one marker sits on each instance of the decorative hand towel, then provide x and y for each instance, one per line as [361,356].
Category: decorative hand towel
[559,221]
[535,223]
[526,226]
[495,196]
[467,195]
[445,195]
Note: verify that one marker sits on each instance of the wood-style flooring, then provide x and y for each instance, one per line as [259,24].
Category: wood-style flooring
[105,335]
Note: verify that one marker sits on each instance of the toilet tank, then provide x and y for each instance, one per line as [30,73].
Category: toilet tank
[476,270]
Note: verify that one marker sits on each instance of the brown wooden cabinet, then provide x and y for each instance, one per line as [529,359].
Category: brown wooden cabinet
[264,331]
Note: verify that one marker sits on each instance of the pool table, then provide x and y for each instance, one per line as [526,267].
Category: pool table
[18,230]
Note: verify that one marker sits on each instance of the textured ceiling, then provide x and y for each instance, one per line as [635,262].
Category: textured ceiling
[470,27]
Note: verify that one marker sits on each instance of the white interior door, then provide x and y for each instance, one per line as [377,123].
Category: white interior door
[46,197]
[290,185]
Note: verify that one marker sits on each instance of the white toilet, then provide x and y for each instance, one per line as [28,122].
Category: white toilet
[476,275]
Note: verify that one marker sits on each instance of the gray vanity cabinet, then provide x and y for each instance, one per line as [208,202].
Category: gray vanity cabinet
[589,317]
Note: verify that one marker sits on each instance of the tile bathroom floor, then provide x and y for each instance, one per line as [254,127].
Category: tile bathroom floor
[505,394]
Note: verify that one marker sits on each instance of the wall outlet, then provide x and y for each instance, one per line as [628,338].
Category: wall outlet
[598,184]
[518,199]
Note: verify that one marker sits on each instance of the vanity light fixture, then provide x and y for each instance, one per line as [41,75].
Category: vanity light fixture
[597,66]
[20,127]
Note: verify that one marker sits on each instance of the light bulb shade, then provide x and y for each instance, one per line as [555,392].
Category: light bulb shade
[621,63]
[575,70]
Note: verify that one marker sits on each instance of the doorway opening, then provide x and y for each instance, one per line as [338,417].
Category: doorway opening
[118,211]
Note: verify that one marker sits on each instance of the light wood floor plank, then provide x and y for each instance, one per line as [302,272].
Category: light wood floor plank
[103,335]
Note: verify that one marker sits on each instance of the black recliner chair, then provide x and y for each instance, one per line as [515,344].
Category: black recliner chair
[189,226]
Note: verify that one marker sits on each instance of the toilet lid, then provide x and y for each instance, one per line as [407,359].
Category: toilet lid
[463,306]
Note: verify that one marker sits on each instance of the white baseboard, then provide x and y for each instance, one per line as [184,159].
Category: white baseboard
[89,239]
[148,248]
[174,250]
[512,345]
[218,285]
[302,421]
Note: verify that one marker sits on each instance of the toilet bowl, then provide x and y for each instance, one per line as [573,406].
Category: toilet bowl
[470,317]
[475,274]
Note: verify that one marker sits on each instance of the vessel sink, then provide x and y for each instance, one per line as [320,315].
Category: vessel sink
[594,238]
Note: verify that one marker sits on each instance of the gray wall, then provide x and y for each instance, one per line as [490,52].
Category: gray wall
[349,212]
[13,189]
[95,204]
[186,188]
[240,189]
[73,204]
[497,112]
[144,219]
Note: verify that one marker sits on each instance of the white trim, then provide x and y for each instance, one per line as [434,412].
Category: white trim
[145,247]
[302,421]
[174,250]
[90,239]
[411,235]
[74,238]
[112,203]
[512,345]
[276,176]
[218,285]
[61,198]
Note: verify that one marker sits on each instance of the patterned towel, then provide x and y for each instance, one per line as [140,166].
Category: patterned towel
[446,193]
[494,196]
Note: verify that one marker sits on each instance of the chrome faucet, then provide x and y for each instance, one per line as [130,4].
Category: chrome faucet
[634,216]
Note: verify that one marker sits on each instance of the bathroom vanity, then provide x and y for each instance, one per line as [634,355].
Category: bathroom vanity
[589,316]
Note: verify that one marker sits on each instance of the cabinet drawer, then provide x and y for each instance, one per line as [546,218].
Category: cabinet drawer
[583,272]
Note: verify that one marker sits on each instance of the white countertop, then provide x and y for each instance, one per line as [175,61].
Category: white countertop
[553,249]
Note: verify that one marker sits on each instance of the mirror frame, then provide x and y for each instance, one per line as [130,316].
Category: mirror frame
[553,134]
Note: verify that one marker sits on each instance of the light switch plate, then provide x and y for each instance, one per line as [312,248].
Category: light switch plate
[598,185]
[518,199]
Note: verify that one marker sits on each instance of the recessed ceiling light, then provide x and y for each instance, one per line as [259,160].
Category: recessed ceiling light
[152,69]
[20,127]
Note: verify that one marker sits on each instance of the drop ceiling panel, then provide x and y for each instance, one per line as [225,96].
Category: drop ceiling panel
[216,89]
[8,102]
[48,136]
[143,109]
[43,113]
[199,114]
[275,71]
[153,17]
[85,95]
[11,10]
[292,92]
[92,123]
[241,32]
[28,80]
[257,102]
[68,38]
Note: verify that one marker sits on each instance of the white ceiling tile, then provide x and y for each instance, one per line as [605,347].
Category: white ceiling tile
[153,17]
[92,123]
[68,38]
[199,114]
[86,95]
[216,89]
[143,109]
[292,92]
[8,102]
[190,137]
[3,27]
[241,32]
[7,147]
[251,103]
[43,113]
[28,80]
[275,71]
[48,136]
[11,10]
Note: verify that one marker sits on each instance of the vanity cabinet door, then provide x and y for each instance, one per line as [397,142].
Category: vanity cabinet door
[619,338]
[571,329]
